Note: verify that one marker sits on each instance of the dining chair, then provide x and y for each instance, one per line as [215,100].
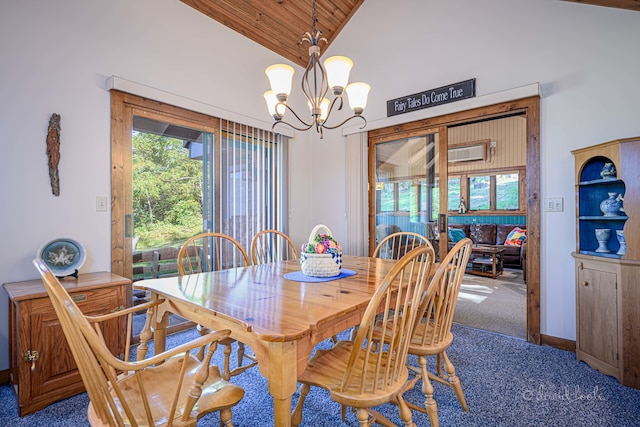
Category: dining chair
[396,245]
[371,369]
[432,335]
[272,245]
[211,251]
[170,388]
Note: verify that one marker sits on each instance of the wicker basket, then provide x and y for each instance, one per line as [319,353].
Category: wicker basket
[320,265]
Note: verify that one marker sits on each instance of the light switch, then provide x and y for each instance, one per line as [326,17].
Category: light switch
[101,204]
[554,204]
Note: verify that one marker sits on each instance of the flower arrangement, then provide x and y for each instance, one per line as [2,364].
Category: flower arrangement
[322,244]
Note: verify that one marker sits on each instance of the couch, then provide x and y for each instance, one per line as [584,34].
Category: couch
[495,235]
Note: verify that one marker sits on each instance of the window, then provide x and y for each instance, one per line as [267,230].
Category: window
[487,192]
[479,193]
[454,194]
[405,199]
[507,192]
[387,197]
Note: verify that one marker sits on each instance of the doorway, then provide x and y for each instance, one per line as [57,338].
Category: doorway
[527,110]
[124,108]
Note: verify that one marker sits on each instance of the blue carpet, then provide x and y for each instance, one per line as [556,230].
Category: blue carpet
[507,382]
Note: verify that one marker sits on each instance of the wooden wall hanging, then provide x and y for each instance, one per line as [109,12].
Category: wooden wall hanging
[53,151]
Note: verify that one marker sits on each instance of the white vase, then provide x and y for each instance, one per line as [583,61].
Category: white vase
[623,243]
[602,236]
[611,205]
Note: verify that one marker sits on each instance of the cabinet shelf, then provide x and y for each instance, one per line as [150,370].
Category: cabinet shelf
[607,291]
[602,254]
[603,218]
[600,182]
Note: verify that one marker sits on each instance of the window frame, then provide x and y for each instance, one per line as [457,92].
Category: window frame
[465,191]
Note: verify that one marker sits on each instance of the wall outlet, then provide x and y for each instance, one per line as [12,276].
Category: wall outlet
[101,204]
[554,204]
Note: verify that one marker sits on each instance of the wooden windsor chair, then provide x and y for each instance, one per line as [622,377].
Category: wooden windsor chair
[171,388]
[396,245]
[372,369]
[272,245]
[212,252]
[433,335]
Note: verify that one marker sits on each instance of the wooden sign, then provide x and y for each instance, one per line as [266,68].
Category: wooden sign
[432,97]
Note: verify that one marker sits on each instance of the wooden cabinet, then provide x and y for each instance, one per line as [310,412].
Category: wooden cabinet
[608,265]
[42,368]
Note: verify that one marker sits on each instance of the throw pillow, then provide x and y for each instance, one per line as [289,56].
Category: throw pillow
[456,234]
[516,237]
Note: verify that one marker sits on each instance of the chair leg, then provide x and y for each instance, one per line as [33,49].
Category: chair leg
[225,418]
[226,371]
[427,390]
[454,381]
[296,417]
[363,417]
[240,353]
[405,412]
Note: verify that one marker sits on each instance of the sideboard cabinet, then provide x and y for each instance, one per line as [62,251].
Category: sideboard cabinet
[42,368]
[607,258]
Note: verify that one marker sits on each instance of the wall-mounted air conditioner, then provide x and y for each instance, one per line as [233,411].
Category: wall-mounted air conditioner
[468,153]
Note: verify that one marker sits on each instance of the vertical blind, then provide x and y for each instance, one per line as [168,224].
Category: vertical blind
[252,190]
[357,202]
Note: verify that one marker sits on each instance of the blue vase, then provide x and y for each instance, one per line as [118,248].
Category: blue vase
[611,206]
[608,171]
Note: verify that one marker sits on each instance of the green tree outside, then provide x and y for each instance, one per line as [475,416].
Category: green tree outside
[167,191]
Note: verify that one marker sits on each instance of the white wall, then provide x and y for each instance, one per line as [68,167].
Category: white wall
[585,58]
[55,57]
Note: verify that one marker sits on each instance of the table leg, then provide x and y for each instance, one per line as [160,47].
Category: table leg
[282,380]
[493,265]
[160,328]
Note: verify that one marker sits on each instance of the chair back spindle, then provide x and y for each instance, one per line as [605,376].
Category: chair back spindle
[271,246]
[439,310]
[211,252]
[397,245]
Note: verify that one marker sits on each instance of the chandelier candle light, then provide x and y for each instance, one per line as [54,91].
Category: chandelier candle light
[316,82]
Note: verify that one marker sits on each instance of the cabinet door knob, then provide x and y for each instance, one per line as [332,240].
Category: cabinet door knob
[31,356]
[585,283]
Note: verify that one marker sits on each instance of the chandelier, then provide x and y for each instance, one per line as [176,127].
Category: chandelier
[316,82]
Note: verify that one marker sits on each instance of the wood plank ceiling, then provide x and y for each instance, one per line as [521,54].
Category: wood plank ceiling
[279,25]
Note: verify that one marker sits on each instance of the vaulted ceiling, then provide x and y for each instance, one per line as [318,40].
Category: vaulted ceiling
[279,25]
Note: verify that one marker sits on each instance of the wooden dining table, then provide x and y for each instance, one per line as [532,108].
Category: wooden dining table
[280,319]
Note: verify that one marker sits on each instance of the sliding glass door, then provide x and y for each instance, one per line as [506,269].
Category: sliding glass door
[176,173]
[406,194]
